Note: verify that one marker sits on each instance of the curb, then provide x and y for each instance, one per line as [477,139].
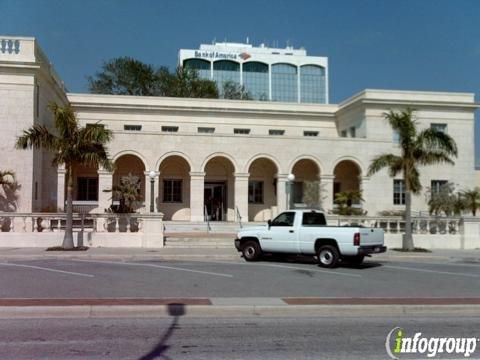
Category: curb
[165,311]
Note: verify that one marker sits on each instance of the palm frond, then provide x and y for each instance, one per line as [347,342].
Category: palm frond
[38,136]
[431,139]
[390,161]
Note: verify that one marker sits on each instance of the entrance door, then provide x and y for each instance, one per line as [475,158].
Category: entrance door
[215,197]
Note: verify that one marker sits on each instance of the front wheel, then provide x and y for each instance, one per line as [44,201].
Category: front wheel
[328,256]
[251,251]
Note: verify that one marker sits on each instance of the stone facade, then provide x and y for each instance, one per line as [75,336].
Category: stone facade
[227,157]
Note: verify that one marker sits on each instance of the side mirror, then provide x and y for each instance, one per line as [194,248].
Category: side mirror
[269,222]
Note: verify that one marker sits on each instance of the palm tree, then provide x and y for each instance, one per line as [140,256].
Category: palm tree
[71,145]
[471,199]
[7,178]
[345,200]
[127,193]
[417,148]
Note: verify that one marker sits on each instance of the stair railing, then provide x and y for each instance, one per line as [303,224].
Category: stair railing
[206,218]
[239,218]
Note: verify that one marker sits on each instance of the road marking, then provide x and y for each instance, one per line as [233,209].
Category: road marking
[47,269]
[429,271]
[332,272]
[156,266]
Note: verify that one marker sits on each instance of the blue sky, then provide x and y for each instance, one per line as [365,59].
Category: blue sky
[387,44]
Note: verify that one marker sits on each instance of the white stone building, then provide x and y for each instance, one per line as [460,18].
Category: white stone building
[229,157]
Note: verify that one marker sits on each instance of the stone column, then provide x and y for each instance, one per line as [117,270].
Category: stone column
[61,174]
[197,181]
[364,182]
[326,183]
[282,192]
[105,181]
[241,196]
[148,191]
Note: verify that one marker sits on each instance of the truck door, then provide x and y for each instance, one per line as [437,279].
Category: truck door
[281,237]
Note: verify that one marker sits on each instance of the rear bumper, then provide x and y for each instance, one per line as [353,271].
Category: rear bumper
[366,250]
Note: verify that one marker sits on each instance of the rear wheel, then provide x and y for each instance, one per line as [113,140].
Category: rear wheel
[328,256]
[251,251]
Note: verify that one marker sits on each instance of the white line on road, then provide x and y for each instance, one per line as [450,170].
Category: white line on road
[331,272]
[429,271]
[156,266]
[47,269]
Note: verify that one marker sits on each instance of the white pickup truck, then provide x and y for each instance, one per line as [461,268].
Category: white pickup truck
[306,232]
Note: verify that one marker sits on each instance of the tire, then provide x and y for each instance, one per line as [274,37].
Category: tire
[328,256]
[251,251]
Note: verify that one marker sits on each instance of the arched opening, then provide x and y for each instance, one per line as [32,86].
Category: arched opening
[218,196]
[127,165]
[262,190]
[347,179]
[174,188]
[306,190]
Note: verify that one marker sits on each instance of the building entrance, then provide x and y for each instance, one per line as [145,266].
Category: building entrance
[215,197]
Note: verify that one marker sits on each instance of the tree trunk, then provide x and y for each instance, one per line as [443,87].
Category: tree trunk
[407,241]
[68,236]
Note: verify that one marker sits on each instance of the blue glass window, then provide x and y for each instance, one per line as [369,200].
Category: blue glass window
[224,71]
[255,79]
[202,67]
[284,82]
[312,84]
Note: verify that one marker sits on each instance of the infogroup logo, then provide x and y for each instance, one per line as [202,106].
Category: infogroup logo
[398,345]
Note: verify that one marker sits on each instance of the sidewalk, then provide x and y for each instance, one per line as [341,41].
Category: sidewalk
[196,253]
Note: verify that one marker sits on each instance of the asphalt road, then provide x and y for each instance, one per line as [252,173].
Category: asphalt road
[292,278]
[223,338]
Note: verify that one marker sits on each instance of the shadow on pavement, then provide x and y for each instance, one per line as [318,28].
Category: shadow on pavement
[310,260]
[175,310]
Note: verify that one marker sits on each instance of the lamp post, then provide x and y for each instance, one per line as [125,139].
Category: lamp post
[290,179]
[152,175]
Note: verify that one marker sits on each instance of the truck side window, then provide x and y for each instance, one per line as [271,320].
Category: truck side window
[284,219]
[313,219]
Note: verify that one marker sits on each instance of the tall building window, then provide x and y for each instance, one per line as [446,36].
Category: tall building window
[439,127]
[224,71]
[201,66]
[297,192]
[284,83]
[255,192]
[255,79]
[172,191]
[312,84]
[87,189]
[398,192]
[396,137]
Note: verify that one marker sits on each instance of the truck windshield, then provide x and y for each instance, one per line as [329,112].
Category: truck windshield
[313,219]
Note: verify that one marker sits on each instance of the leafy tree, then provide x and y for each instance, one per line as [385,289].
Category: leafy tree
[234,91]
[127,76]
[124,76]
[471,199]
[127,193]
[346,199]
[71,145]
[7,178]
[417,148]
[313,194]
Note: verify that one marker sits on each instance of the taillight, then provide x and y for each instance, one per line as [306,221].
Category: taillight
[356,239]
